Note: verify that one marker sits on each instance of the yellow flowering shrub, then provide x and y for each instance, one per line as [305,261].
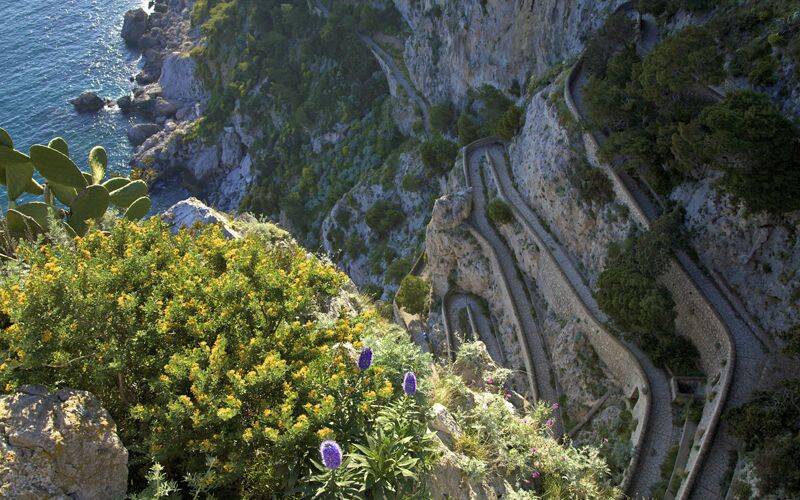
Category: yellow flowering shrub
[197,345]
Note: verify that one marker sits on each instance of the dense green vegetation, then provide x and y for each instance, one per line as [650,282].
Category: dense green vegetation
[414,294]
[662,117]
[769,427]
[499,212]
[438,153]
[628,291]
[309,74]
[488,112]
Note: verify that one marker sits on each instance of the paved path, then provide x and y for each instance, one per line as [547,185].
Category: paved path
[705,477]
[482,330]
[387,61]
[661,432]
[529,336]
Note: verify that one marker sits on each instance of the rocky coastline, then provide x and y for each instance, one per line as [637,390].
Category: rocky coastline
[169,98]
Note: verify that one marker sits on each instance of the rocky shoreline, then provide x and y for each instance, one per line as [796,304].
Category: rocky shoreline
[169,97]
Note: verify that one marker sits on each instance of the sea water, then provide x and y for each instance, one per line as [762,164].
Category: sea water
[50,52]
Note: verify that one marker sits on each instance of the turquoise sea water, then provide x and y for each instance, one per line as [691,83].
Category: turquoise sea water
[50,52]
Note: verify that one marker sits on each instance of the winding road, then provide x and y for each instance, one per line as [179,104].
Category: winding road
[534,352]
[480,325]
[706,474]
[661,432]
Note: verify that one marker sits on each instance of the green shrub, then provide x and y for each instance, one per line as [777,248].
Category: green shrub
[413,294]
[510,123]
[201,346]
[757,148]
[442,116]
[618,30]
[677,64]
[499,212]
[628,291]
[764,72]
[384,216]
[468,131]
[593,184]
[438,153]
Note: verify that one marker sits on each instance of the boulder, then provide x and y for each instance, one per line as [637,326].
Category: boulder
[134,26]
[59,445]
[125,103]
[141,132]
[444,425]
[88,102]
[164,108]
[191,211]
[451,210]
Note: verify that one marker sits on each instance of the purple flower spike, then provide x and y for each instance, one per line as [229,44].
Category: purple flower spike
[555,406]
[550,422]
[365,359]
[535,474]
[331,454]
[410,383]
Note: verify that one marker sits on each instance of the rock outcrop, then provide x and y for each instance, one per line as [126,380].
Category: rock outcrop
[134,26]
[88,102]
[190,212]
[141,131]
[59,445]
[178,79]
[455,46]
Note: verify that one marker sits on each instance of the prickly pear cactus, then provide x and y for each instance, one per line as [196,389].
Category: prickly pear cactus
[71,197]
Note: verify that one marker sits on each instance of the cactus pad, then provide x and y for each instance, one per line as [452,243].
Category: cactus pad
[21,226]
[59,145]
[129,193]
[98,160]
[115,183]
[5,139]
[18,178]
[56,167]
[36,210]
[91,203]
[138,209]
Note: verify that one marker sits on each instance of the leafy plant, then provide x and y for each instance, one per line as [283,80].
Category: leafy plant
[499,212]
[413,294]
[84,193]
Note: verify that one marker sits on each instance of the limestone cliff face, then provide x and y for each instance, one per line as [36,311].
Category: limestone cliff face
[543,158]
[455,46]
[757,255]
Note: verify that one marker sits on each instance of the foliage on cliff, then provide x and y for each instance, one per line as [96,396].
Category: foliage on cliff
[663,115]
[296,75]
[628,291]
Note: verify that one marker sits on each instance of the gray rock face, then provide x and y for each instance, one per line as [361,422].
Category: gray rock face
[178,80]
[141,132]
[191,211]
[455,46]
[88,102]
[134,26]
[164,108]
[60,445]
[452,209]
